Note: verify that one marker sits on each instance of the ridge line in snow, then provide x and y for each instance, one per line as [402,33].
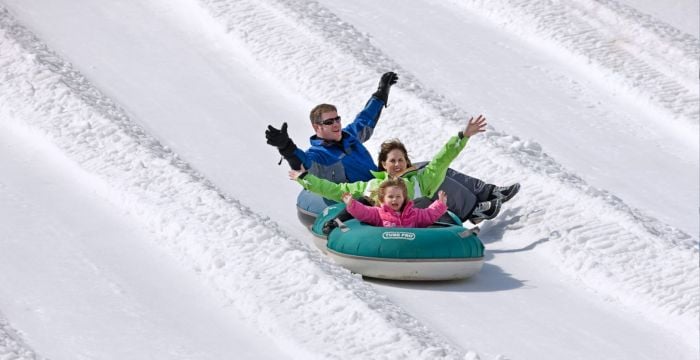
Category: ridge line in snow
[631,51]
[316,309]
[12,346]
[598,239]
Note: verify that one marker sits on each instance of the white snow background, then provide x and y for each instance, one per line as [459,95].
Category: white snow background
[142,215]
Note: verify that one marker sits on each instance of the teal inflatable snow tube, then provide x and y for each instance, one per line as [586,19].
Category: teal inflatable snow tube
[440,252]
[309,205]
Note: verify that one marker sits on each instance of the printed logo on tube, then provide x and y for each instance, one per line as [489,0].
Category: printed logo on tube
[398,235]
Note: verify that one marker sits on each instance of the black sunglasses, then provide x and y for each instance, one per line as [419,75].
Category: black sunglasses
[330,121]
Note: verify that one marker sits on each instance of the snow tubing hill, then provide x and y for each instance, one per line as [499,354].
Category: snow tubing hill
[441,252]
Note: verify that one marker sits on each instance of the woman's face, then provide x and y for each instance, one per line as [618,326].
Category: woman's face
[395,162]
[393,197]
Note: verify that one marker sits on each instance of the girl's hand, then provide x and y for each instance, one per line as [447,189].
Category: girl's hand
[475,126]
[442,197]
[347,198]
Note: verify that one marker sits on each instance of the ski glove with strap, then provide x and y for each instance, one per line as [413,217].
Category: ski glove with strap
[280,139]
[277,137]
[385,83]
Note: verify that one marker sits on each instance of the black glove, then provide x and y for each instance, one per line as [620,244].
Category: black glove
[277,138]
[280,139]
[385,83]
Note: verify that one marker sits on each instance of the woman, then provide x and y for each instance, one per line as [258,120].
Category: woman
[470,198]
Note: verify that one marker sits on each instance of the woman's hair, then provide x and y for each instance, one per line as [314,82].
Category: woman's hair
[387,147]
[399,183]
[318,110]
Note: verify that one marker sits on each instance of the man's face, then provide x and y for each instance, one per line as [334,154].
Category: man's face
[331,130]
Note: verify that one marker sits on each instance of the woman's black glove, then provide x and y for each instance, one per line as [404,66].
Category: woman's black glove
[385,83]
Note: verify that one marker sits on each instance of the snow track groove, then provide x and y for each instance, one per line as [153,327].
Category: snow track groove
[12,347]
[631,51]
[652,265]
[325,313]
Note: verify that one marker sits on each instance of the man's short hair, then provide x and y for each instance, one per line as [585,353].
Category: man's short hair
[315,115]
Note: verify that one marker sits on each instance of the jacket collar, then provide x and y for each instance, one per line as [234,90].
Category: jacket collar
[317,141]
[383,175]
[406,208]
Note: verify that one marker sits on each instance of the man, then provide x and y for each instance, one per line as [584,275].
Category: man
[336,154]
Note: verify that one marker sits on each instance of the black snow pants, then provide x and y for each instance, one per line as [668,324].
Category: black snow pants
[463,192]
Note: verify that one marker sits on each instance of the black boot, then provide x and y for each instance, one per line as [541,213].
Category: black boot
[504,193]
[332,224]
[485,210]
[329,226]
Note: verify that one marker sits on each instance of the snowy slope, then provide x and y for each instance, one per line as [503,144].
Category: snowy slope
[90,281]
[598,276]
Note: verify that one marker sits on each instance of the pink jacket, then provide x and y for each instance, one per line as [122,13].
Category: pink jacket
[387,217]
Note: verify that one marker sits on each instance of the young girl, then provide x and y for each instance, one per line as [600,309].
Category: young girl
[395,209]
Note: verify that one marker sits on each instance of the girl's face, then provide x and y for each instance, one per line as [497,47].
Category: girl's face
[395,162]
[393,197]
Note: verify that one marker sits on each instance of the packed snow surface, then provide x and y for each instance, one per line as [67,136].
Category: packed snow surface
[145,217]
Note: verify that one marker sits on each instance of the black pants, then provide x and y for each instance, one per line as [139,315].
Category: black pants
[463,192]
